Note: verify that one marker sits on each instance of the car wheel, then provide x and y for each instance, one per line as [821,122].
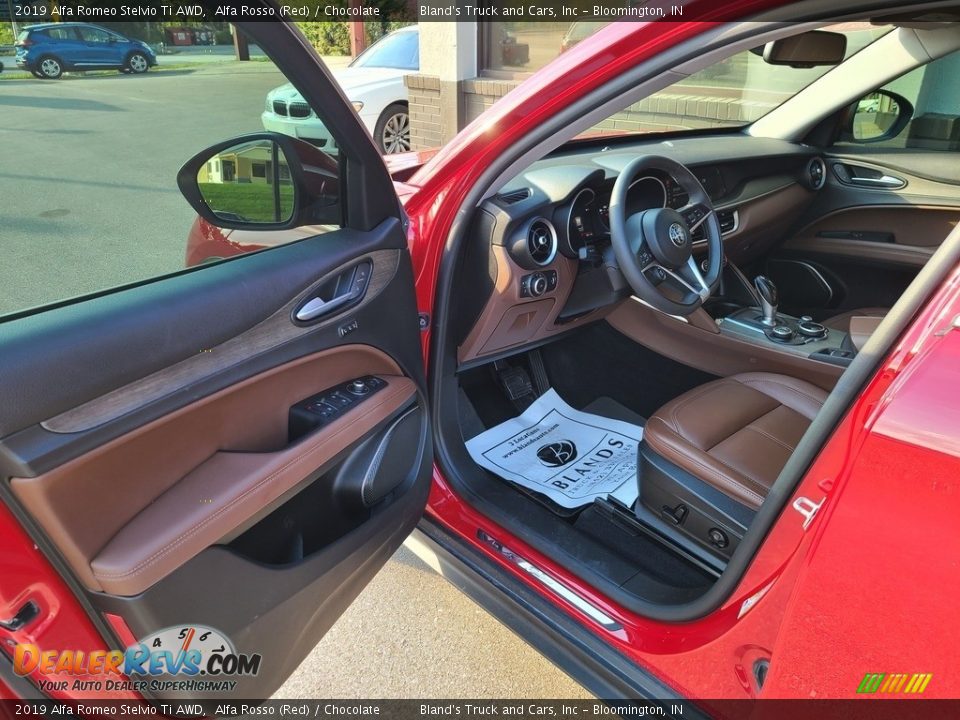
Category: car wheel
[49,68]
[37,73]
[137,63]
[393,129]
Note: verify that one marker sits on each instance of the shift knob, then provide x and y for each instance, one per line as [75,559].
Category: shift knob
[769,298]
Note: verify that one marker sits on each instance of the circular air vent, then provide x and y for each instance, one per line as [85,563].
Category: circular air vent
[816,173]
[541,241]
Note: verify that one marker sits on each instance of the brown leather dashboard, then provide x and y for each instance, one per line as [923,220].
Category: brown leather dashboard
[509,320]
[183,482]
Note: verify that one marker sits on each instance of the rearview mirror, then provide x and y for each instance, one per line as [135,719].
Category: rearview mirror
[263,181]
[807,50]
[880,115]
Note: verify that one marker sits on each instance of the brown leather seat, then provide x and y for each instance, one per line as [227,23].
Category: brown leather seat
[841,322]
[736,433]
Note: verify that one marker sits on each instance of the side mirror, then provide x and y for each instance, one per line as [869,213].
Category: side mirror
[263,181]
[806,50]
[880,115]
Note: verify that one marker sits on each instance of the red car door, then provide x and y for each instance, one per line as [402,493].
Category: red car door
[215,463]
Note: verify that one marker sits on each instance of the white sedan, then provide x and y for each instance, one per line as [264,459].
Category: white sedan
[374,84]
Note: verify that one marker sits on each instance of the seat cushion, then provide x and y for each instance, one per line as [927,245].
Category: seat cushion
[736,433]
[841,322]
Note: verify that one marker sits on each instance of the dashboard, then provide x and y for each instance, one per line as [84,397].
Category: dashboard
[544,237]
[589,215]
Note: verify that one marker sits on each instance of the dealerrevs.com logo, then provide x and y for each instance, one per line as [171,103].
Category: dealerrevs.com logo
[184,658]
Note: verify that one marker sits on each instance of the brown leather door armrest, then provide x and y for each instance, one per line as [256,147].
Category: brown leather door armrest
[225,491]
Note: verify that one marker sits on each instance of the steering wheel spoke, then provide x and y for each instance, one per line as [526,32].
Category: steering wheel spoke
[691,277]
[695,214]
[687,279]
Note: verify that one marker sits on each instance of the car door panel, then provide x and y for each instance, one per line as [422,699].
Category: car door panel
[133,487]
[860,245]
[83,364]
[152,445]
[231,449]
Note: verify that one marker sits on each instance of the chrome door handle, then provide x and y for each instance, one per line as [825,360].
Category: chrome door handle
[318,306]
[886,181]
[337,293]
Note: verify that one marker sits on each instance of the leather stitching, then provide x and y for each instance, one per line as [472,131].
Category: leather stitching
[758,417]
[796,391]
[692,395]
[737,482]
[163,552]
[770,437]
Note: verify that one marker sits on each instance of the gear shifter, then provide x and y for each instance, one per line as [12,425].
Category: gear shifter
[769,299]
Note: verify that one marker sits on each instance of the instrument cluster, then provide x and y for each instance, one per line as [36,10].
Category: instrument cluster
[588,219]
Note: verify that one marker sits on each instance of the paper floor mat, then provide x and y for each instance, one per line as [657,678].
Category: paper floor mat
[572,457]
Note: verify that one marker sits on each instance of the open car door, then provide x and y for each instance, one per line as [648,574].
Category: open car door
[218,461]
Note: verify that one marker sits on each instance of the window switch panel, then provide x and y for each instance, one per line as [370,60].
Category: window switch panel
[323,408]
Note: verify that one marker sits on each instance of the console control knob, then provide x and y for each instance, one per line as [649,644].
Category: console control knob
[538,284]
[359,387]
[781,332]
[806,318]
[811,329]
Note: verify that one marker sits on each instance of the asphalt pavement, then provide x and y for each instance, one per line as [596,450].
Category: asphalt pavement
[88,193]
[88,200]
[411,634]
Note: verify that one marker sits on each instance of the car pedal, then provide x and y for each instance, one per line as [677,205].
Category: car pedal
[539,371]
[517,385]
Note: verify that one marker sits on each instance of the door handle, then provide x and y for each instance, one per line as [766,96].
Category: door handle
[884,181]
[345,289]
[853,174]
[318,306]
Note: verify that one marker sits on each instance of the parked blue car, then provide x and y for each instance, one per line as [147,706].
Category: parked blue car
[50,49]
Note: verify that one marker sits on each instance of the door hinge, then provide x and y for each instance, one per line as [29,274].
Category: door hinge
[29,612]
[424,321]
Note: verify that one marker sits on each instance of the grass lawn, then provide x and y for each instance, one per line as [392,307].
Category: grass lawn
[248,201]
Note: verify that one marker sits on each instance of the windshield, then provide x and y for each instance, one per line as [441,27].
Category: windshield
[731,93]
[398,50]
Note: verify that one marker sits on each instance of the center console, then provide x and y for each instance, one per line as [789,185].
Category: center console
[749,313]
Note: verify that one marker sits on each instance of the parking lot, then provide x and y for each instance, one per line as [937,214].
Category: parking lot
[88,186]
[88,200]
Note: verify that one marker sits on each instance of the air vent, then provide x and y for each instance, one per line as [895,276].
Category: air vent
[727,220]
[541,241]
[816,173]
[514,196]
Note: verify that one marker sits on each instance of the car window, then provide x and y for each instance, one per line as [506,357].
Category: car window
[398,50]
[61,33]
[90,197]
[90,34]
[932,90]
[730,93]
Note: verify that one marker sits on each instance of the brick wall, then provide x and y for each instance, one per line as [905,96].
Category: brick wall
[692,108]
[481,93]
[424,104]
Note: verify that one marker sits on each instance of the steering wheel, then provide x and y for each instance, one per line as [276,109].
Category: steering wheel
[654,248]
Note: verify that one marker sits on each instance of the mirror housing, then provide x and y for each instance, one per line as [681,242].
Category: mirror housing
[877,116]
[806,50]
[308,193]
